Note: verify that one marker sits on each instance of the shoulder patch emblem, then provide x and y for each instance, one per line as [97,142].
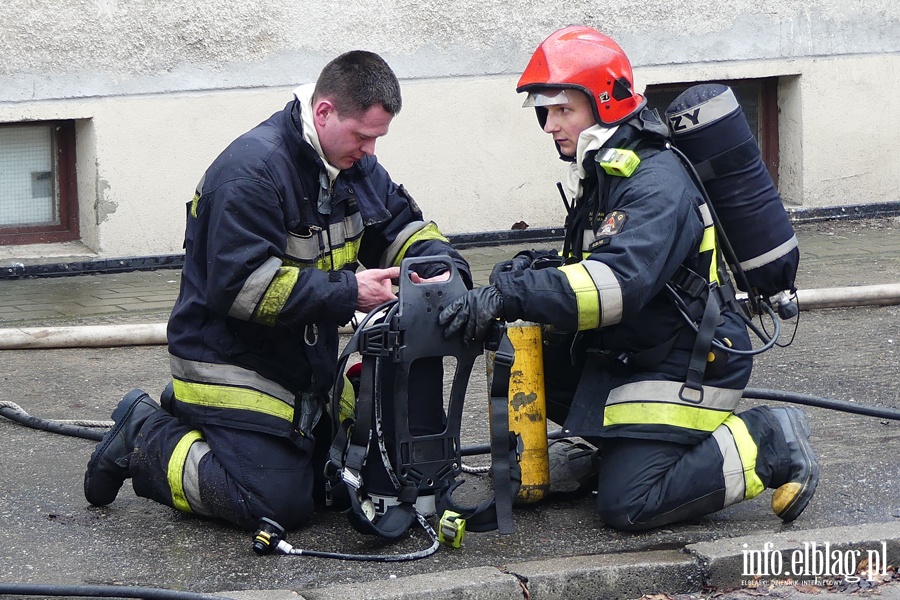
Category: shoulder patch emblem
[613,224]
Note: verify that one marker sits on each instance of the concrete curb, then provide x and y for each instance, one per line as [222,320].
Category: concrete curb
[720,564]
[723,561]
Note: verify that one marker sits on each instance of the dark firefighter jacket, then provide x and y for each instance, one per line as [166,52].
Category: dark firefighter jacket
[268,279]
[639,233]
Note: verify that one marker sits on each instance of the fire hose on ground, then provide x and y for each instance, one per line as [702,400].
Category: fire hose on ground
[155,334]
[104,336]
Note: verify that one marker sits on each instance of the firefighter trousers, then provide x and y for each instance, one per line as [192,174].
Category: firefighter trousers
[235,475]
[644,484]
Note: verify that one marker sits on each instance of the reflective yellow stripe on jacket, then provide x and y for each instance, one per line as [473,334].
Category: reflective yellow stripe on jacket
[327,250]
[709,251]
[268,288]
[229,387]
[265,292]
[417,231]
[598,295]
[659,403]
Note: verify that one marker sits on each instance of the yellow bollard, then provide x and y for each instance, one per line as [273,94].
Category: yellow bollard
[528,409]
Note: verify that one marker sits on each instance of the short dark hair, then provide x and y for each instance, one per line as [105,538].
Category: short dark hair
[358,80]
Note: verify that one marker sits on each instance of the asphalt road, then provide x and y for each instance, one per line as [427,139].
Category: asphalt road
[50,535]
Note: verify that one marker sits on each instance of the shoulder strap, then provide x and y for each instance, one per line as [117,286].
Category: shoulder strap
[495,513]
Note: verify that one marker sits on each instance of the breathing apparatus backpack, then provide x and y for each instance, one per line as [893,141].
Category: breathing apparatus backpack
[397,458]
[708,126]
[710,134]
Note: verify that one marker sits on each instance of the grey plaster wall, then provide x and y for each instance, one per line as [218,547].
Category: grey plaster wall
[83,48]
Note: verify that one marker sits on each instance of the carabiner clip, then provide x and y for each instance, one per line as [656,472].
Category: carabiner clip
[311,334]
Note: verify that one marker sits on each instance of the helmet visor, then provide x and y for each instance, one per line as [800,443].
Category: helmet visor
[545,97]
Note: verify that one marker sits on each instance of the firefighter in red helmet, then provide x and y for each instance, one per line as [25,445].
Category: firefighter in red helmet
[624,369]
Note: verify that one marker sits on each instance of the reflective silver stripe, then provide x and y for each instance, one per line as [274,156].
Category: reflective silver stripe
[190,479]
[305,249]
[772,255]
[253,290]
[707,215]
[390,255]
[714,398]
[202,372]
[704,113]
[732,467]
[309,249]
[352,226]
[608,289]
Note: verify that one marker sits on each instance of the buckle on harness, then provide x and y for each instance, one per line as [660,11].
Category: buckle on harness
[350,478]
[692,386]
[689,282]
[503,354]
[381,339]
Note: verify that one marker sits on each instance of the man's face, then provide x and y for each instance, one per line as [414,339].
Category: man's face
[346,140]
[566,121]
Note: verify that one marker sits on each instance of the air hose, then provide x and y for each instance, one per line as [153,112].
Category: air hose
[100,591]
[756,394]
[818,402]
[94,430]
[269,538]
[90,430]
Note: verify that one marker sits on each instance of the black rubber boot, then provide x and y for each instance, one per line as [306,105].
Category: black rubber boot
[573,467]
[108,468]
[791,498]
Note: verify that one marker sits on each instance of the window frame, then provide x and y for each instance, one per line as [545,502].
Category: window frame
[63,136]
[768,113]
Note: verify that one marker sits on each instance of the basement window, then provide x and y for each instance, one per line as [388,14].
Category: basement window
[38,200]
[758,99]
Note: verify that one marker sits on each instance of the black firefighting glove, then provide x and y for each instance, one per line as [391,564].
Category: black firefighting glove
[472,314]
[519,262]
[523,260]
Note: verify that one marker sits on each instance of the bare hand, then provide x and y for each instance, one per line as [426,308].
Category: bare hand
[374,287]
[415,278]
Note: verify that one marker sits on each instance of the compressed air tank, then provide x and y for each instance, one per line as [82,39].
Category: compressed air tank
[709,127]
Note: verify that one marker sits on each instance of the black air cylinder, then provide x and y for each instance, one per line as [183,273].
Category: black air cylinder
[708,125]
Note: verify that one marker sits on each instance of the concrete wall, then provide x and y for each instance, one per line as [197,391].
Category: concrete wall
[158,88]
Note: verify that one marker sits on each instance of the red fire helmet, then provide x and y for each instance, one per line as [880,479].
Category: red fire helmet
[582,58]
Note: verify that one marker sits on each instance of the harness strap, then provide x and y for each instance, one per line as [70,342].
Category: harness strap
[397,519]
[495,513]
[699,355]
[504,357]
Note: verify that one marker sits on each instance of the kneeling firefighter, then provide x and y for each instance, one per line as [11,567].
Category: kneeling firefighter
[624,369]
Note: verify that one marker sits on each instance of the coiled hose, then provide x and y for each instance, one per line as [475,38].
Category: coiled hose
[100,591]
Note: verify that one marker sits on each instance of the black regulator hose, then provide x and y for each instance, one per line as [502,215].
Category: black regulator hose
[93,432]
[269,538]
[14,412]
[100,591]
[756,394]
[816,401]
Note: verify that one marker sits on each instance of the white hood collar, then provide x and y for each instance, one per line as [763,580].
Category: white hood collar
[304,94]
[590,139]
